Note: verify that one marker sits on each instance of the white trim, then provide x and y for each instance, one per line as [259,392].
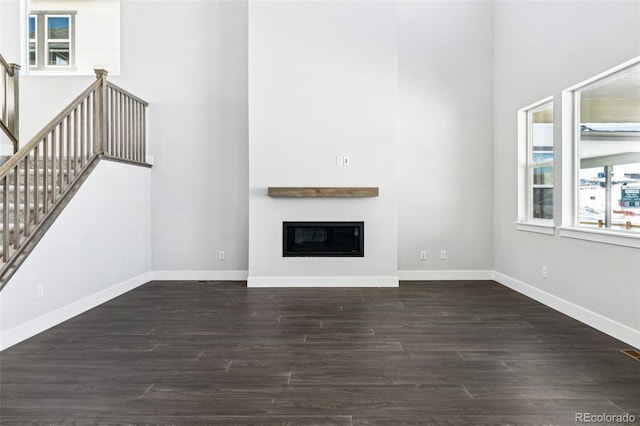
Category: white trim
[38,325]
[463,275]
[200,275]
[540,228]
[525,155]
[605,75]
[301,282]
[602,236]
[606,325]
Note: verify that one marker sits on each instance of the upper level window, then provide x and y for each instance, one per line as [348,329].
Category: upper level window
[536,163]
[607,151]
[72,36]
[33,41]
[58,43]
[51,40]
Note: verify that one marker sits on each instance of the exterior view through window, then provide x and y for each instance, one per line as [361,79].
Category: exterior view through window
[609,152]
[541,161]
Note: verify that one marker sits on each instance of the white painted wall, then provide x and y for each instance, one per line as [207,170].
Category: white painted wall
[445,85]
[10,30]
[322,83]
[197,129]
[541,48]
[98,248]
[197,122]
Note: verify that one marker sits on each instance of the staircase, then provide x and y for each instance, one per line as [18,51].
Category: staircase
[103,122]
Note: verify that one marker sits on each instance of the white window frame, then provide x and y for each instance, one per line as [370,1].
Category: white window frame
[48,40]
[43,40]
[571,167]
[526,221]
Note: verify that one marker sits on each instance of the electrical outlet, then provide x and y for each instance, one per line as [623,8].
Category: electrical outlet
[339,160]
[443,255]
[221,255]
[544,272]
[40,291]
[347,161]
[423,255]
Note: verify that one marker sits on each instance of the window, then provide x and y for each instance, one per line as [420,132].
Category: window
[65,37]
[604,153]
[51,40]
[33,41]
[58,40]
[609,152]
[535,124]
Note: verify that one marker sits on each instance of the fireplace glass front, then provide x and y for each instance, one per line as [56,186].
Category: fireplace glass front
[323,239]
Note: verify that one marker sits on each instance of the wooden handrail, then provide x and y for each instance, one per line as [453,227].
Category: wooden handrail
[47,129]
[11,68]
[104,121]
[128,94]
[9,102]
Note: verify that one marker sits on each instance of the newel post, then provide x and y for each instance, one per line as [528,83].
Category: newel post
[100,113]
[15,120]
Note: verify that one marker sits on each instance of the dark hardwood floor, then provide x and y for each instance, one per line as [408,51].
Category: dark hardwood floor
[218,353]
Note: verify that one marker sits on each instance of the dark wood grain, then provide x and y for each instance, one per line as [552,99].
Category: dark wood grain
[219,353]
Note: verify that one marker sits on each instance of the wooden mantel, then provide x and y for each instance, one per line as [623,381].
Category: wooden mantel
[314,191]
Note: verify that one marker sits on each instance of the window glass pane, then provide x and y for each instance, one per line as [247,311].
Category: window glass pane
[541,162]
[543,203]
[32,53]
[541,157]
[58,54]
[32,27]
[543,176]
[609,153]
[58,27]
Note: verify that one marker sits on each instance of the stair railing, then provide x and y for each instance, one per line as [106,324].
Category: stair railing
[9,108]
[104,121]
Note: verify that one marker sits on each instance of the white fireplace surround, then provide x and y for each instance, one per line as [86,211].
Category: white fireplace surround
[322,110]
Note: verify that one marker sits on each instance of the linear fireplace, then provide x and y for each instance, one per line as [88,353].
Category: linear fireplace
[323,239]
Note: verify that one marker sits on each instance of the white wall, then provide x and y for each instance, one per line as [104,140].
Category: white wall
[10,30]
[445,84]
[98,248]
[197,122]
[195,79]
[542,48]
[322,83]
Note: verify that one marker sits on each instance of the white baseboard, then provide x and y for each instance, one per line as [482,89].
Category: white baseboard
[445,275]
[38,325]
[200,275]
[593,319]
[301,282]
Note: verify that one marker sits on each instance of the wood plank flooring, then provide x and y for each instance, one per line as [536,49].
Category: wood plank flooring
[218,353]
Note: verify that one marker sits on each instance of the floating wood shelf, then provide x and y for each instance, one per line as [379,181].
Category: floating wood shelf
[313,191]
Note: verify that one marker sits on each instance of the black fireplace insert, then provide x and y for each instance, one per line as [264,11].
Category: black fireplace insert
[323,239]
